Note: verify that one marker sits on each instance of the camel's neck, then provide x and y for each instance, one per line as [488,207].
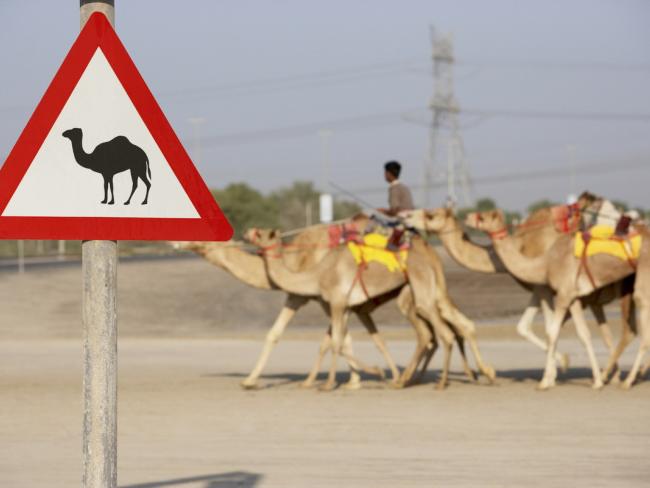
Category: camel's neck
[300,283]
[527,269]
[465,252]
[245,267]
[83,159]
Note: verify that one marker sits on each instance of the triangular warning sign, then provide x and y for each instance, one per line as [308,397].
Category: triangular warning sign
[99,160]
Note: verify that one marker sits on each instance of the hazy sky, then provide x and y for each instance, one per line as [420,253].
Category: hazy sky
[265,76]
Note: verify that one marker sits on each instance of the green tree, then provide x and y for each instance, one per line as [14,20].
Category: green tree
[344,209]
[246,207]
[485,204]
[295,204]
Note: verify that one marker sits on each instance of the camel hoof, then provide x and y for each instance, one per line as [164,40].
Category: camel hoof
[144,203]
[352,385]
[564,362]
[626,385]
[306,384]
[111,202]
[329,386]
[126,203]
[103,201]
[616,379]
[490,373]
[441,385]
[249,385]
[598,385]
[545,385]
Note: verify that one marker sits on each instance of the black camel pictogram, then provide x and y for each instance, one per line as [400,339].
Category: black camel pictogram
[110,158]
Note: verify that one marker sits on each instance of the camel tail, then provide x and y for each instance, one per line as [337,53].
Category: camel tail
[148,169]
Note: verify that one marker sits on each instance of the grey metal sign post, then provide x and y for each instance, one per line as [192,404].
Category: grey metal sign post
[99,303]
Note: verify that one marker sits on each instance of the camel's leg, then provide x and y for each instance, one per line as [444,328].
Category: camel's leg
[324,346]
[446,335]
[643,304]
[147,183]
[546,304]
[585,336]
[110,187]
[553,333]
[339,329]
[525,327]
[291,305]
[427,357]
[426,307]
[370,326]
[354,383]
[606,333]
[105,190]
[134,186]
[426,344]
[628,326]
[425,348]
[467,328]
[460,341]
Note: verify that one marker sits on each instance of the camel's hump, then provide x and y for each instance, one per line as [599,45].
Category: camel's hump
[117,142]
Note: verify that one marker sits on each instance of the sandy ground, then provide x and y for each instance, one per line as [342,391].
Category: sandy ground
[184,421]
[189,334]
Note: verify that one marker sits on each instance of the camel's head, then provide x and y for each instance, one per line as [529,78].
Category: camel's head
[587,199]
[433,220]
[263,237]
[187,245]
[72,133]
[202,248]
[492,221]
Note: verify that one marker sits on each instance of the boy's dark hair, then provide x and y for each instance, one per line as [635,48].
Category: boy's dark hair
[393,167]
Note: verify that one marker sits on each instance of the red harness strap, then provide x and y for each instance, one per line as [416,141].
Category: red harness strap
[363,265]
[586,238]
[630,259]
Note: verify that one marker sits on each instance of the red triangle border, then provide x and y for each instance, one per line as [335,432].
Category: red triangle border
[98,33]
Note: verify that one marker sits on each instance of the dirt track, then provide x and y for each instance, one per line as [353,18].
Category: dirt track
[183,416]
[184,421]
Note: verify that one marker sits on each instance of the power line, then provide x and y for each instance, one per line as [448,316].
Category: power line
[544,114]
[311,128]
[388,118]
[342,75]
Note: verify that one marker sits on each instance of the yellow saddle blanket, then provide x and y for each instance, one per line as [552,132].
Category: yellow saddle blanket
[603,241]
[374,249]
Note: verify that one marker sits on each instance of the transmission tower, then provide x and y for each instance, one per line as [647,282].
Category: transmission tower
[444,109]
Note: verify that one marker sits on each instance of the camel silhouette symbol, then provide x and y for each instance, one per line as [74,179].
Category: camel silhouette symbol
[110,158]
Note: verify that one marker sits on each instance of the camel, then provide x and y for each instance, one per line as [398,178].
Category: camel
[250,269]
[343,285]
[570,278]
[110,158]
[536,235]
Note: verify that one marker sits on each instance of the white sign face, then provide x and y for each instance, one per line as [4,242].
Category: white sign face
[106,158]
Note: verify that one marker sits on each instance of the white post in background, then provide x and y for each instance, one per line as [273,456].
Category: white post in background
[326,202]
[573,196]
[99,315]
